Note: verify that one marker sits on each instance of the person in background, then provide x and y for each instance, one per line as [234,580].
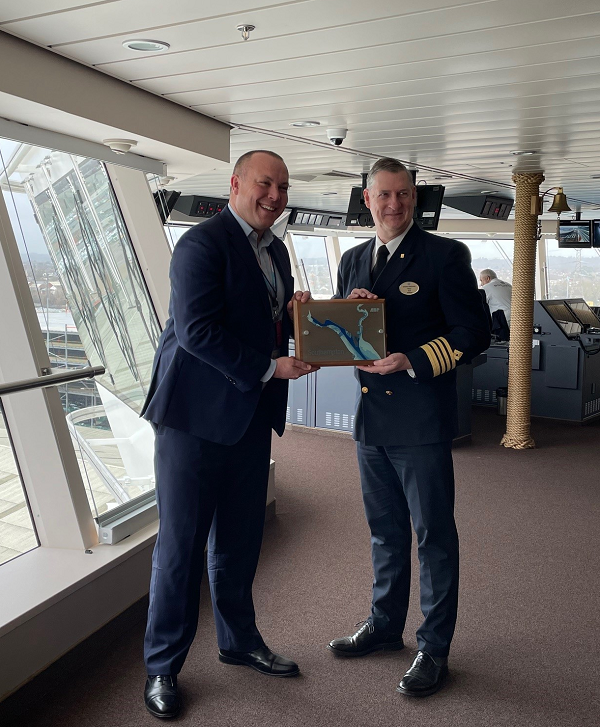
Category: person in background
[497,292]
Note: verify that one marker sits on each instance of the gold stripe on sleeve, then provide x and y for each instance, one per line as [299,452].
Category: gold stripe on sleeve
[450,351]
[432,359]
[443,355]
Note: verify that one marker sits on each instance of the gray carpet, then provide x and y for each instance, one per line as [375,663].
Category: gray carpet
[527,642]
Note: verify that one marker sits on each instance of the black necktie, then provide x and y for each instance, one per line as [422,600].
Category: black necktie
[382,256]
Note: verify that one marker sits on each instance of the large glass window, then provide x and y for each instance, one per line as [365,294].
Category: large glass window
[17,534]
[497,255]
[347,243]
[174,232]
[311,254]
[93,309]
[573,273]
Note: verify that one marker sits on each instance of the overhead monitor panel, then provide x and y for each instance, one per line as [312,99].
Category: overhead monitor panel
[564,317]
[575,233]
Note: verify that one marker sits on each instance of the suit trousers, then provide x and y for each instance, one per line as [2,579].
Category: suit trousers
[400,483]
[206,492]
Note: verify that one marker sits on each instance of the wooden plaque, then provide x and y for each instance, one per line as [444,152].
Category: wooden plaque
[340,332]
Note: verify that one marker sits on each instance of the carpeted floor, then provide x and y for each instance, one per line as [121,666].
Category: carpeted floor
[526,647]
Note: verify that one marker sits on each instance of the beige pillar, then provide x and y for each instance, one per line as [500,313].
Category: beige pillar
[518,420]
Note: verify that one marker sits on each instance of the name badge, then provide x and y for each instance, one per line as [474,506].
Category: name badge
[409,288]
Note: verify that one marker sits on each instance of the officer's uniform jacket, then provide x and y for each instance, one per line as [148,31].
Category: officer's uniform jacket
[435,316]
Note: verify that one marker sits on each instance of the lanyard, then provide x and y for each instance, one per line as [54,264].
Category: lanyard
[271,284]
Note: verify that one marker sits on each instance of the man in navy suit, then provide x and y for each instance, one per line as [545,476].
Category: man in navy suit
[219,387]
[406,420]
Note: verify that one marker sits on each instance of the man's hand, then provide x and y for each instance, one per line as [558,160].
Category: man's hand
[302,296]
[361,293]
[393,362]
[288,367]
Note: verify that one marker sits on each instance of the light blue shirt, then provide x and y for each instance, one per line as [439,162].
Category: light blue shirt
[257,246]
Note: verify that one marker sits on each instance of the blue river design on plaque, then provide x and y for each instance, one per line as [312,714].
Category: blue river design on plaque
[360,349]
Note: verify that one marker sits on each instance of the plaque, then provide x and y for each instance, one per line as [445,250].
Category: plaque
[340,332]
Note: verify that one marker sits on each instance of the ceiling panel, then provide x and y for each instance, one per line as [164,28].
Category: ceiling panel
[308,36]
[450,86]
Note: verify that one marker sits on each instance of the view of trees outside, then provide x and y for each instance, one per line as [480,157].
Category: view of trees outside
[572,273]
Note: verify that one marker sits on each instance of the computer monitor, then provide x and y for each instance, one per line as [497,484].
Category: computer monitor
[595,233]
[427,208]
[165,202]
[575,233]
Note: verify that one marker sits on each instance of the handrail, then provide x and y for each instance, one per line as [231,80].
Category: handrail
[42,382]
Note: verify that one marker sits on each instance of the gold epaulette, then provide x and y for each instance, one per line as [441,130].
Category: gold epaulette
[441,355]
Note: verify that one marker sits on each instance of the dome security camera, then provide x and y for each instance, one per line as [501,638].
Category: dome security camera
[120,146]
[336,136]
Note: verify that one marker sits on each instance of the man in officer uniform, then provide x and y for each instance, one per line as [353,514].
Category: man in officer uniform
[406,419]
[219,387]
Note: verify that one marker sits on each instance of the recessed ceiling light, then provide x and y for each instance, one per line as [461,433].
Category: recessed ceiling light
[146,46]
[444,176]
[595,176]
[524,152]
[305,124]
[326,194]
[489,191]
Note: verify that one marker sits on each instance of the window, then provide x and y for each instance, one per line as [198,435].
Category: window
[311,254]
[494,254]
[93,308]
[346,243]
[174,232]
[573,273]
[17,534]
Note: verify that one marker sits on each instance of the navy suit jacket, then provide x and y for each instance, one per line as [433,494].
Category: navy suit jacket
[218,340]
[434,315]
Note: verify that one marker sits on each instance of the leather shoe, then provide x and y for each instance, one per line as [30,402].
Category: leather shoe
[425,676]
[263,660]
[366,640]
[161,696]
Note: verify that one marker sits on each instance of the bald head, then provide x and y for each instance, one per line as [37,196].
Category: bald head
[243,162]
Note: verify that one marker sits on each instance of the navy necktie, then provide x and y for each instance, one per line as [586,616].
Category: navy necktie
[381,260]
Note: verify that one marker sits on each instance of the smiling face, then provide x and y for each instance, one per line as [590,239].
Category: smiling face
[259,193]
[391,199]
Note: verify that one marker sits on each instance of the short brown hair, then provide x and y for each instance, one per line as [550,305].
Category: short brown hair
[245,158]
[387,164]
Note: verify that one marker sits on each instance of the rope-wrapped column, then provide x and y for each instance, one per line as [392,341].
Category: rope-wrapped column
[518,420]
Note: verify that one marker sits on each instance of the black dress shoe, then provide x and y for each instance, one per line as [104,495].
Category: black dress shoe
[366,640]
[425,676]
[161,696]
[261,659]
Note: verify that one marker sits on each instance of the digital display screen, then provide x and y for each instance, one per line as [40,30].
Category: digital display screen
[575,233]
[596,233]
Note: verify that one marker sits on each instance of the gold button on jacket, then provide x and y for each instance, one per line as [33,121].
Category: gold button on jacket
[365,390]
[389,393]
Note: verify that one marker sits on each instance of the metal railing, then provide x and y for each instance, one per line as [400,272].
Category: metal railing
[42,382]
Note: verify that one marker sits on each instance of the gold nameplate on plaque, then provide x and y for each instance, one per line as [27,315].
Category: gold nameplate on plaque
[340,332]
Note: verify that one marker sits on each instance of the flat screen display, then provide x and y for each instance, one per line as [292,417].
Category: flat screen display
[575,233]
[595,233]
